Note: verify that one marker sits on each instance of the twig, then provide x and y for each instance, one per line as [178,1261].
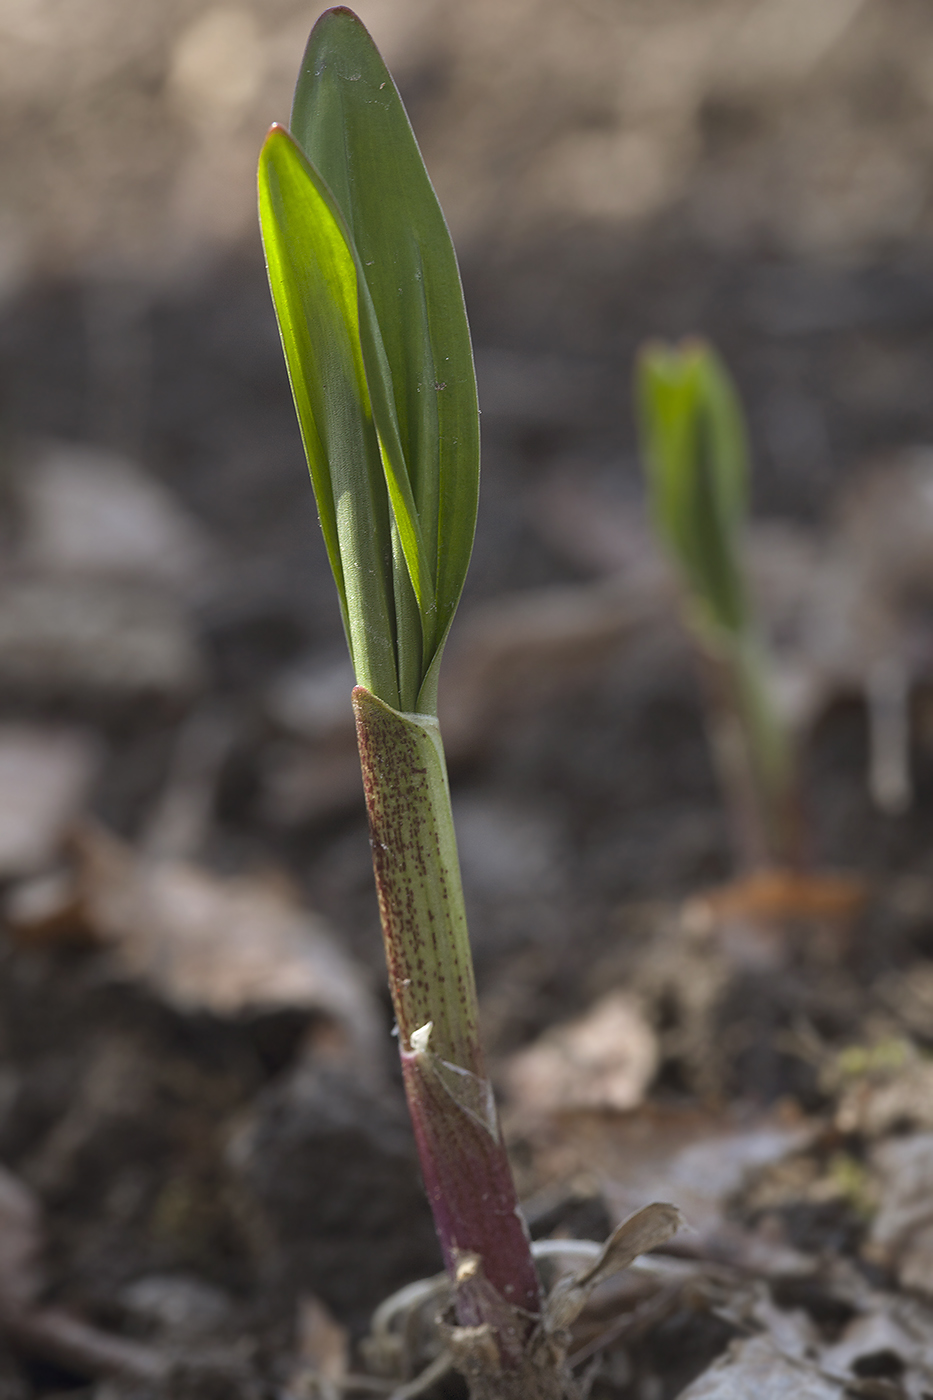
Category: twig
[53,1334]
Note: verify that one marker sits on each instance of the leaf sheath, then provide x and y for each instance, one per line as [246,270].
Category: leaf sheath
[462,1155]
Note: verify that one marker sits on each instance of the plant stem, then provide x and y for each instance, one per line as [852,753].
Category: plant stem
[463,1158]
[754,752]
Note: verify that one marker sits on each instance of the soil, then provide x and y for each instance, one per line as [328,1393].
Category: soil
[200,1175]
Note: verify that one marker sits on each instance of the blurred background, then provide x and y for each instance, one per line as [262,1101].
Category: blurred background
[758,171]
[174,712]
[611,170]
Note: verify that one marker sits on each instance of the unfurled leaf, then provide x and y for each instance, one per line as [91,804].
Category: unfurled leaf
[387,399]
[366,287]
[314,284]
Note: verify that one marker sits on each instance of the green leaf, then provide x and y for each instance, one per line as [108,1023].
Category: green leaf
[313,277]
[350,122]
[696,460]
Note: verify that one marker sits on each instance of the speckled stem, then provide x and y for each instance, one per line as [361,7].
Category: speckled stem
[463,1159]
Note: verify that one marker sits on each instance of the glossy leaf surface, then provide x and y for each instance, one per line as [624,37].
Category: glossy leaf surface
[314,283]
[412,339]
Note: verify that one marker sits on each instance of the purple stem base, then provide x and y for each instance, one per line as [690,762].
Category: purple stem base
[469,1185]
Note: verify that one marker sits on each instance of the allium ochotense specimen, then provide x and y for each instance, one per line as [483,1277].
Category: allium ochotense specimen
[368,297]
[695,454]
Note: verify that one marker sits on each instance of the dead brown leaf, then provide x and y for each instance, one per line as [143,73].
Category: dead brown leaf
[642,1231]
[604,1059]
[887,1334]
[694,1157]
[757,1368]
[884,1351]
[230,946]
[893,1089]
[902,1231]
[782,894]
[323,1348]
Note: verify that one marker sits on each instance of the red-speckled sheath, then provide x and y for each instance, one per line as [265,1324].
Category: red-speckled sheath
[463,1160]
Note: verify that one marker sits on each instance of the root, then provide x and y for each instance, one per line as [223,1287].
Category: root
[416,1339]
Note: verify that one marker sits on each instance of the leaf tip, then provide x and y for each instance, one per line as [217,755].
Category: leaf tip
[273,137]
[337,14]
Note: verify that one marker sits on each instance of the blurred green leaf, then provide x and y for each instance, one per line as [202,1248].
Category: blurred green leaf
[696,461]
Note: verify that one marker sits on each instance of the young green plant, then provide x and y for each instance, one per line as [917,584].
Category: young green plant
[370,308]
[695,454]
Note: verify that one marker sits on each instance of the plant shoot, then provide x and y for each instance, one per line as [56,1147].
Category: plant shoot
[368,297]
[695,453]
